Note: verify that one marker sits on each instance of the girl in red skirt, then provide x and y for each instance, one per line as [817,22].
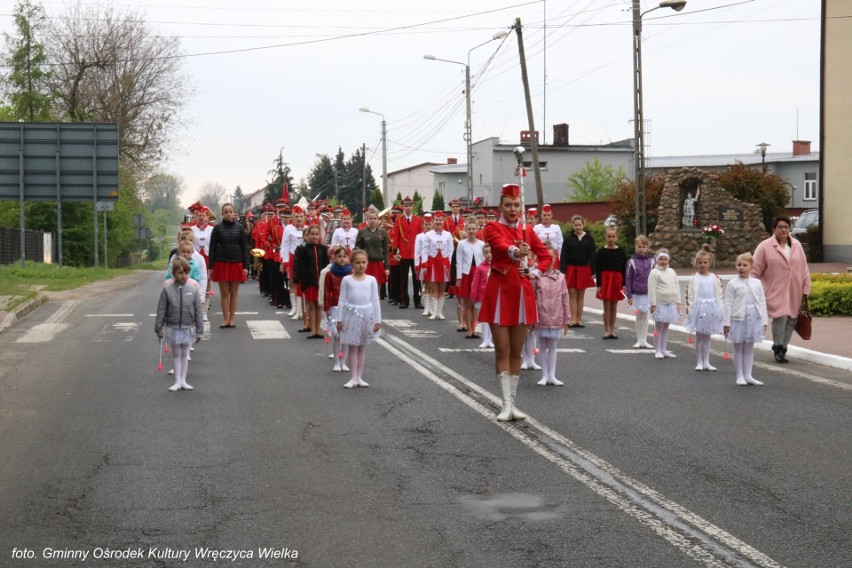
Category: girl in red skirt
[310,259]
[437,250]
[577,263]
[469,255]
[610,263]
[229,261]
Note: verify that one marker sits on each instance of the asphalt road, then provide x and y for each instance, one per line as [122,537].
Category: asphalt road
[634,462]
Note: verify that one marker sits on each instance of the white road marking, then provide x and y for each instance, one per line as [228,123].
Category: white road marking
[110,315]
[64,310]
[267,329]
[238,313]
[121,331]
[622,351]
[410,328]
[43,332]
[683,529]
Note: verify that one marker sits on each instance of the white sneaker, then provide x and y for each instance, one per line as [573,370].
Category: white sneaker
[524,366]
[362,383]
[647,346]
[659,356]
[351,384]
[699,367]
[337,369]
[344,368]
[171,371]
[186,387]
[670,355]
[483,346]
[753,381]
[191,348]
[542,382]
[556,382]
[637,345]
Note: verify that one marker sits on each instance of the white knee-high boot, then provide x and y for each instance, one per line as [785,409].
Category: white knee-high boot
[427,307]
[297,308]
[486,335]
[513,383]
[506,392]
[439,307]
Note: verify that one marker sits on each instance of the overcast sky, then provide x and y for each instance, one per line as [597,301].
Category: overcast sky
[719,77]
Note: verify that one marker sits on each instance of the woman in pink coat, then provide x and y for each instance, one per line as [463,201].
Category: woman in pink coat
[780,264]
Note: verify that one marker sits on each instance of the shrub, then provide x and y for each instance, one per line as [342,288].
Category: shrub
[831,294]
[813,248]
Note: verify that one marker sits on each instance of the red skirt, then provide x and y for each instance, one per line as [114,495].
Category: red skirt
[310,293]
[376,269]
[579,277]
[463,289]
[228,272]
[501,303]
[611,284]
[437,269]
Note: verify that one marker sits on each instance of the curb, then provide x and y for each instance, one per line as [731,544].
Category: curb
[21,311]
[793,352]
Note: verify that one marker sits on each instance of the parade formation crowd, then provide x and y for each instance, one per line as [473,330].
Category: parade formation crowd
[511,270]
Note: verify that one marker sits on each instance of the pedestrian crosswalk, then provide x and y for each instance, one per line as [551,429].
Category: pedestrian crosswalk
[267,329]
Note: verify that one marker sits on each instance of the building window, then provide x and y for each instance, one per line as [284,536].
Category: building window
[542,165]
[442,187]
[810,187]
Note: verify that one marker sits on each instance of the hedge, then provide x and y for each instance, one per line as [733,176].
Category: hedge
[831,295]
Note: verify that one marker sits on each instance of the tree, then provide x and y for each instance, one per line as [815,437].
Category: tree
[438,201]
[213,195]
[321,178]
[26,85]
[280,177]
[595,181]
[110,66]
[162,191]
[418,203]
[623,205]
[239,199]
[377,199]
[766,190]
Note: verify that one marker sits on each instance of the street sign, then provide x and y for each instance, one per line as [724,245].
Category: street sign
[105,206]
[48,161]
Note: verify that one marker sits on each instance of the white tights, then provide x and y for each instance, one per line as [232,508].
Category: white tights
[356,361]
[180,362]
[702,350]
[528,351]
[661,337]
[547,350]
[642,328]
[743,360]
[337,349]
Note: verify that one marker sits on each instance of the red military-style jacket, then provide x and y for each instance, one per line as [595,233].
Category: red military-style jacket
[406,231]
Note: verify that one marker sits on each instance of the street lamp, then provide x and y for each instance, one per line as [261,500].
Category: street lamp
[638,111]
[763,146]
[468,134]
[384,154]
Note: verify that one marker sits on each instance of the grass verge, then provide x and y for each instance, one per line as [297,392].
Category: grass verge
[21,283]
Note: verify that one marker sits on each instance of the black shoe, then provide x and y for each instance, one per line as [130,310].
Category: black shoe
[779,357]
[418,306]
[403,306]
[784,355]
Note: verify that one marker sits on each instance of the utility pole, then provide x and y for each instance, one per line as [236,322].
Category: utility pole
[533,140]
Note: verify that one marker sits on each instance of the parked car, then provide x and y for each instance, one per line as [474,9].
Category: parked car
[807,219]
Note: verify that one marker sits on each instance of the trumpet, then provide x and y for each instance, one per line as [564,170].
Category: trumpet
[258,252]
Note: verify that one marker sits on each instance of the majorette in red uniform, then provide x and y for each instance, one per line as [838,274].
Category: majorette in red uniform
[437,252]
[407,227]
[506,286]
[393,237]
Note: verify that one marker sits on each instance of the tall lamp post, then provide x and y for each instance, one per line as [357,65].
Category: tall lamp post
[468,134]
[384,154]
[638,111]
[762,147]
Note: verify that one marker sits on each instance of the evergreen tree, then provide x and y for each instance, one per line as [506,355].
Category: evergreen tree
[438,201]
[321,179]
[377,199]
[239,199]
[280,176]
[418,202]
[26,83]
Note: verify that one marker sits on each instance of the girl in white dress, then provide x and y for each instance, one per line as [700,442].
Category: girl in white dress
[360,315]
[745,318]
[664,299]
[704,308]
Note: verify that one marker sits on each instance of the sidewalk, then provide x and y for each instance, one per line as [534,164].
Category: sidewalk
[831,335]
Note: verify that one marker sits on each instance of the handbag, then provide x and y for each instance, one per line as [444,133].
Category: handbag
[803,324]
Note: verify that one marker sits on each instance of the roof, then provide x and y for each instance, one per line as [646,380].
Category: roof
[722,160]
[449,169]
[418,166]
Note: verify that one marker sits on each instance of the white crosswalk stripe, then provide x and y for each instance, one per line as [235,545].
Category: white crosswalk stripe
[267,329]
[623,351]
[121,331]
[410,329]
[491,350]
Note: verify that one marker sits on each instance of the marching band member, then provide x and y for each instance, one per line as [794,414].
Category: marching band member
[293,238]
[394,258]
[454,222]
[407,227]
[547,230]
[437,249]
[203,231]
[374,241]
[421,257]
[509,301]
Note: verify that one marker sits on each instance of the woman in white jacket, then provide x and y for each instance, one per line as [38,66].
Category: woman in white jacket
[744,318]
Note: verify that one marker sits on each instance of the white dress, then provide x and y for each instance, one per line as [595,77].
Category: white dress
[705,316]
[359,309]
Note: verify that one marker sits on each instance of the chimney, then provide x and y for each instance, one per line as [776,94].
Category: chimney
[801,147]
[525,137]
[560,135]
[452,161]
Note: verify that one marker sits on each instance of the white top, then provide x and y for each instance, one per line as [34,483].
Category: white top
[202,237]
[420,256]
[552,233]
[344,237]
[663,287]
[355,293]
[703,288]
[291,239]
[468,253]
[741,293]
[434,243]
